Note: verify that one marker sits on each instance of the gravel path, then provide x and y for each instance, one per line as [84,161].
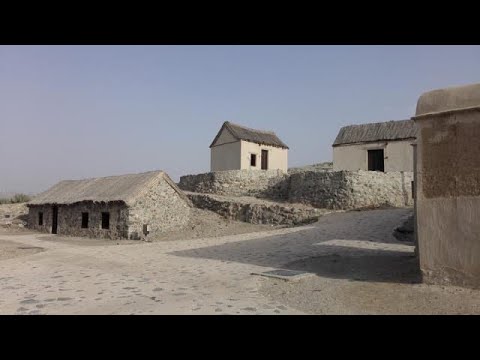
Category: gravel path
[359,267]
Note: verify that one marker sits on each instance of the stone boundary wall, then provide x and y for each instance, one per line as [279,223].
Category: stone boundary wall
[13,214]
[272,184]
[256,213]
[337,190]
[351,189]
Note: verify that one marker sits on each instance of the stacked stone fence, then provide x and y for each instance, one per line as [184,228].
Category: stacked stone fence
[271,184]
[13,215]
[338,190]
[257,212]
[351,189]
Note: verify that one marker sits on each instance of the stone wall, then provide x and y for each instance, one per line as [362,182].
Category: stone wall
[161,207]
[13,214]
[271,184]
[256,211]
[351,190]
[338,190]
[70,219]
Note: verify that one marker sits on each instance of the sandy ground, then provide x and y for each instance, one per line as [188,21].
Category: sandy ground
[10,249]
[356,266]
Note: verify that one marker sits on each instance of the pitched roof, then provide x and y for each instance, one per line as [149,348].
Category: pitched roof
[124,188]
[390,130]
[256,136]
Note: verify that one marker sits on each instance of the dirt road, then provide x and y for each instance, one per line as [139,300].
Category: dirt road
[357,267]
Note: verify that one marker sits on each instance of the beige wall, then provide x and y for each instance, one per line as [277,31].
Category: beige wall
[398,156]
[225,138]
[448,186]
[225,157]
[277,157]
[448,198]
[231,154]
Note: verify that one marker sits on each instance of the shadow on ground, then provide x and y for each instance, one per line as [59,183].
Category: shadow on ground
[307,249]
[365,265]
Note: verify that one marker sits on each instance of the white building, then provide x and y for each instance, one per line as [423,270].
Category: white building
[238,148]
[382,146]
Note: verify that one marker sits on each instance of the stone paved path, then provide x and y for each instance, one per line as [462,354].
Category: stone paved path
[200,276]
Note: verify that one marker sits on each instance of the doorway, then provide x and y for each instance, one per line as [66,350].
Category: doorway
[54,219]
[376,160]
[264,159]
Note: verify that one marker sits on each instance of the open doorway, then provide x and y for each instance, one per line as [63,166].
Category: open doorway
[264,159]
[54,219]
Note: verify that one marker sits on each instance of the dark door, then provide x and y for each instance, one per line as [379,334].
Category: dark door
[264,159]
[375,160]
[54,219]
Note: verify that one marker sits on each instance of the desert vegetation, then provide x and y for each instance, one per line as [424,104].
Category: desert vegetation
[16,199]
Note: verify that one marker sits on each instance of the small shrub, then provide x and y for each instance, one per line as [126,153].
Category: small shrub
[20,198]
[16,199]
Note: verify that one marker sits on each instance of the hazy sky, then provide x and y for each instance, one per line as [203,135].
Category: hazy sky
[70,112]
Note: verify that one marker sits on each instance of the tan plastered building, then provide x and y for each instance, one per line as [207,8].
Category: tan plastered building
[384,146]
[240,148]
[448,185]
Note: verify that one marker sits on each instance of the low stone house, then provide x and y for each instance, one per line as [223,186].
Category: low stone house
[127,206]
[384,146]
[240,148]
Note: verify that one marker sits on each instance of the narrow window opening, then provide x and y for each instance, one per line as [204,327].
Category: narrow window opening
[40,218]
[376,160]
[84,220]
[105,220]
[253,159]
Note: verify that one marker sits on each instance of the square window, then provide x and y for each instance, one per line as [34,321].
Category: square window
[84,220]
[253,159]
[105,220]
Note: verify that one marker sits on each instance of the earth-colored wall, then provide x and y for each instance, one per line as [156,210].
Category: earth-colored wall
[448,190]
[398,156]
[235,155]
[277,157]
[225,157]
